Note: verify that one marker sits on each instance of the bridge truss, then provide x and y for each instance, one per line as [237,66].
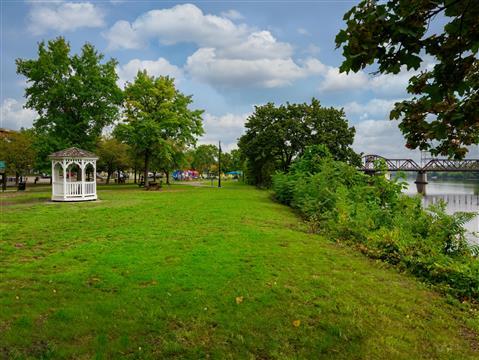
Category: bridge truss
[443,165]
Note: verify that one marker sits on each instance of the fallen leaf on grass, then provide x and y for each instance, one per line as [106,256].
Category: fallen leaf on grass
[239,299]
[296,323]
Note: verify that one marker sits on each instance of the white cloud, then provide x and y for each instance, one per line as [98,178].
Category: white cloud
[228,54]
[303,31]
[391,84]
[312,50]
[385,85]
[374,108]
[158,67]
[226,128]
[232,14]
[181,23]
[63,16]
[204,65]
[121,35]
[381,137]
[14,116]
[335,81]
[258,45]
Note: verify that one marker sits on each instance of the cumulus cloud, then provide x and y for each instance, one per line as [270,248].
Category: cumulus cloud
[121,35]
[14,116]
[63,16]
[229,55]
[381,137]
[204,65]
[391,84]
[374,108]
[226,128]
[187,24]
[303,31]
[333,80]
[384,85]
[312,49]
[161,66]
[232,14]
[181,23]
[258,45]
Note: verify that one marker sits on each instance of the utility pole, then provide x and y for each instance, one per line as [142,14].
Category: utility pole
[219,165]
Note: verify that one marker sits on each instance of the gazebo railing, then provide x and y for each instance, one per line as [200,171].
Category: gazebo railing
[90,188]
[57,188]
[74,188]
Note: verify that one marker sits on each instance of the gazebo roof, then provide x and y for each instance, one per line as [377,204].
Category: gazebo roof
[73,152]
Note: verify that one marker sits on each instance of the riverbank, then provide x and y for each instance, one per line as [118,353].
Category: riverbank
[195,272]
[459,195]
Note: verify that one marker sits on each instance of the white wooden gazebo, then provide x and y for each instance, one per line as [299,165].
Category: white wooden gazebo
[73,175]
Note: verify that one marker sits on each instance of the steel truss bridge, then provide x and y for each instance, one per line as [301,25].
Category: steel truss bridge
[466,165]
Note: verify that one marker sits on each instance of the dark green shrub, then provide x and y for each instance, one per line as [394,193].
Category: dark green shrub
[371,213]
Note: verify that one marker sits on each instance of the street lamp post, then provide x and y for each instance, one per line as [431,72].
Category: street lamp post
[219,165]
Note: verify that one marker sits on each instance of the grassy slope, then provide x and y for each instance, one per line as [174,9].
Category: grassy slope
[155,274]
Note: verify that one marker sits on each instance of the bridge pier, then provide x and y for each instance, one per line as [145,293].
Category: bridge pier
[421,182]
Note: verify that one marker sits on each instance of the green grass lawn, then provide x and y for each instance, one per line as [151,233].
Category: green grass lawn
[198,272]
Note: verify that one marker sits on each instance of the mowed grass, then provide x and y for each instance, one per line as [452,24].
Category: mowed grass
[198,272]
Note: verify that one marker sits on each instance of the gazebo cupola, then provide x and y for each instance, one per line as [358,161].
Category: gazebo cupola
[73,175]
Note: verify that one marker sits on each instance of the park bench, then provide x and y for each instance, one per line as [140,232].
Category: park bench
[152,185]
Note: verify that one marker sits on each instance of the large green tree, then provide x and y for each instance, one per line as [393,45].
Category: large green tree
[205,158]
[169,157]
[236,160]
[156,114]
[275,136]
[75,96]
[18,152]
[443,114]
[113,156]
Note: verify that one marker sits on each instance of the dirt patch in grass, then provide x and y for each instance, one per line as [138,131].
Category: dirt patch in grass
[24,202]
[472,337]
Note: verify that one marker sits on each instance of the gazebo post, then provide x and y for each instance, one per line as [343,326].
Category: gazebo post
[82,167]
[64,167]
[94,175]
[53,177]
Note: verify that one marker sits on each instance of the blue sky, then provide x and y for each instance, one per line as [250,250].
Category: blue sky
[230,55]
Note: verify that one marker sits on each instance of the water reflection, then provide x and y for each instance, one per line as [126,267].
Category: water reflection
[459,196]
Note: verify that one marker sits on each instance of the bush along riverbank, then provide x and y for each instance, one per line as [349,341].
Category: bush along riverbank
[372,214]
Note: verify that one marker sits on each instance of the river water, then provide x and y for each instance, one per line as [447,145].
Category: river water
[459,196]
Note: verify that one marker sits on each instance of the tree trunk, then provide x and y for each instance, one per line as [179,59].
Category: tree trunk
[108,177]
[154,176]
[118,175]
[51,179]
[147,166]
[16,178]
[167,174]
[135,175]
